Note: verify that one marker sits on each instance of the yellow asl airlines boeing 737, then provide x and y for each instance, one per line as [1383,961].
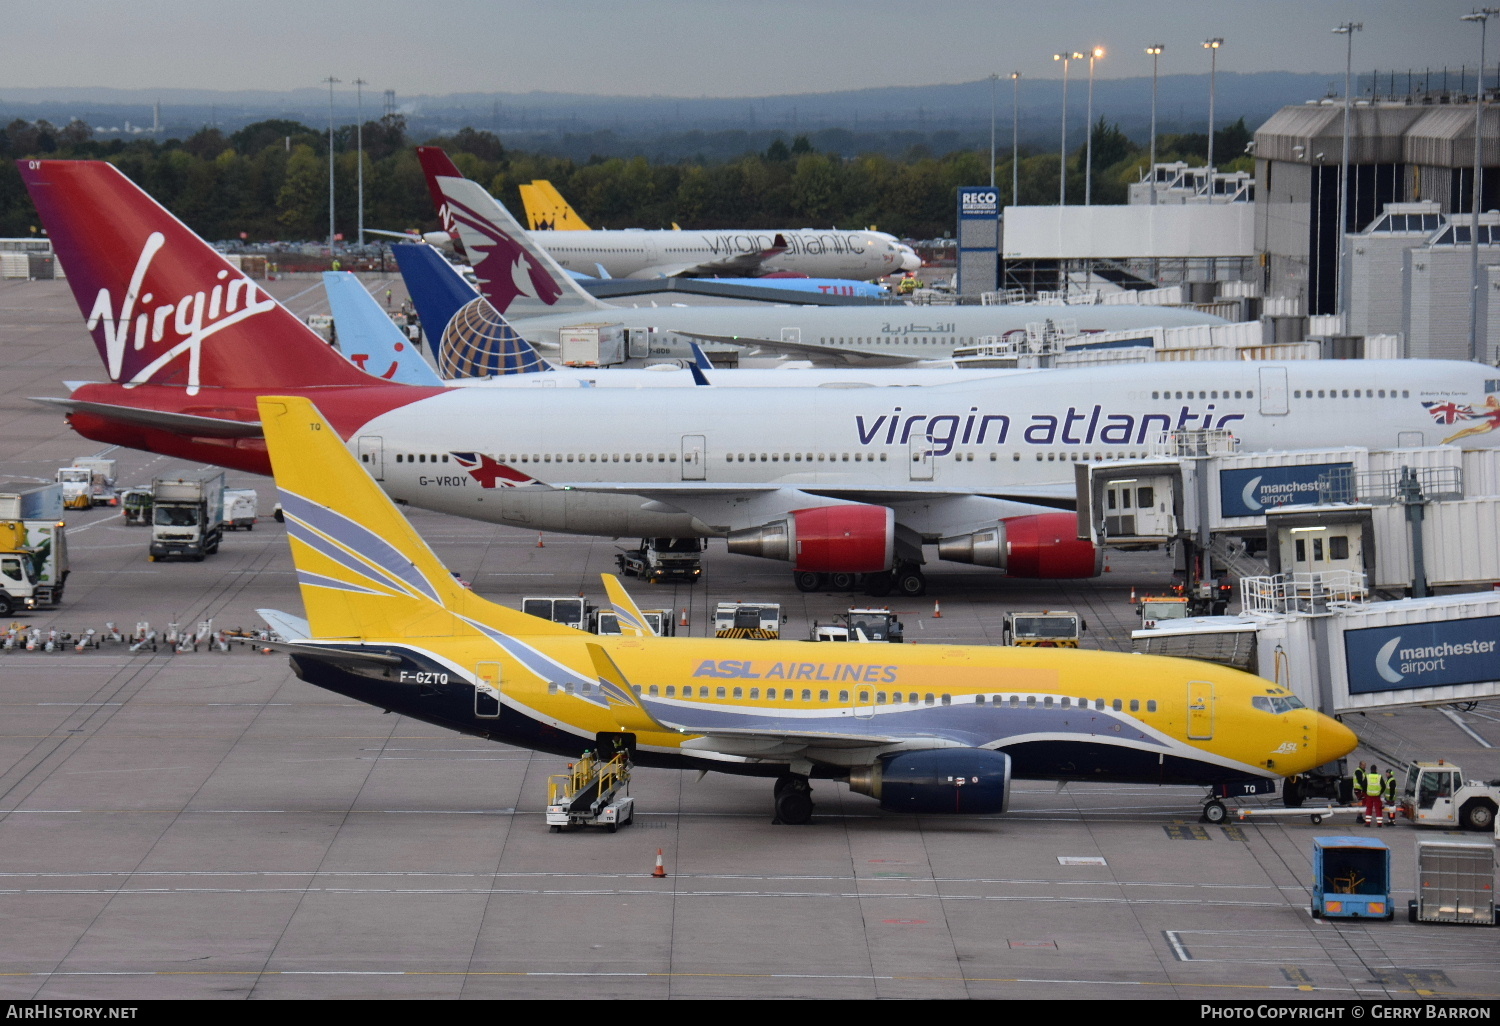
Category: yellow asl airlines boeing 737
[935,728]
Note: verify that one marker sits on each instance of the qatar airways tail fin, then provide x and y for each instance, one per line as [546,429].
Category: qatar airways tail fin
[163,307]
[509,264]
[546,210]
[470,339]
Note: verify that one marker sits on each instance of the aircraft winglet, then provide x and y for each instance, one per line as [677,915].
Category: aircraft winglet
[632,621]
[627,708]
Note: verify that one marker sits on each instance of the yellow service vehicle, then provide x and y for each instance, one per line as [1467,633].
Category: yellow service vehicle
[1047,628]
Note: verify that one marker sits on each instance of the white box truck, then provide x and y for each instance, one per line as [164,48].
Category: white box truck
[186,515]
[241,508]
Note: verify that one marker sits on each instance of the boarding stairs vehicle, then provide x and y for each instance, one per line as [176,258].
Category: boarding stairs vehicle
[759,621]
[594,792]
[860,625]
[1436,794]
[1046,628]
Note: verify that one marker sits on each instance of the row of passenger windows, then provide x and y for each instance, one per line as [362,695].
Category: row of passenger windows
[861,340]
[798,457]
[1348,393]
[1190,394]
[881,697]
[589,457]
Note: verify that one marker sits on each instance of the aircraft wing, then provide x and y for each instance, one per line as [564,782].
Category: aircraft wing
[179,423]
[291,628]
[845,356]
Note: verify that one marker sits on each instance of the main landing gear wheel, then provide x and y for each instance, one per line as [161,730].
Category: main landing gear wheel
[910,583]
[1214,812]
[842,582]
[807,580]
[794,804]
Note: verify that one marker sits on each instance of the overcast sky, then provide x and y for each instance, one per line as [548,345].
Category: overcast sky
[696,47]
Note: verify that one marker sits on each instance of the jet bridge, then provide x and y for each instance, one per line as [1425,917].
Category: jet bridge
[1318,636]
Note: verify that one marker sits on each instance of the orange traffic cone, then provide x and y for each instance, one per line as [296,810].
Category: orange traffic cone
[937,610]
[660,872]
[1132,594]
[539,541]
[1106,563]
[683,622]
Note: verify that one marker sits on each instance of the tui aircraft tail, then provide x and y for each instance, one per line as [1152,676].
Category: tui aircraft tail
[509,265]
[471,339]
[163,307]
[364,571]
[368,337]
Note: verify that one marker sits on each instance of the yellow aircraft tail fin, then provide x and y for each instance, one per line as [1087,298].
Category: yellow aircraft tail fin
[364,572]
[546,210]
[632,622]
[629,713]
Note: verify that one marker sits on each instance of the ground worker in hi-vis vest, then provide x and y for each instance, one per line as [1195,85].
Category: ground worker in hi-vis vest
[1374,797]
[1390,793]
[1358,777]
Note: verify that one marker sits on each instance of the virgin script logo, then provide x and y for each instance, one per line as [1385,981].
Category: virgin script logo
[190,320]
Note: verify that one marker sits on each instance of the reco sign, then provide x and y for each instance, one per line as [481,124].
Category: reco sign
[978,201]
[1423,655]
[1248,493]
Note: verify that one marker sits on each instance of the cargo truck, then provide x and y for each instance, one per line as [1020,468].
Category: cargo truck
[186,512]
[33,564]
[27,500]
[677,560]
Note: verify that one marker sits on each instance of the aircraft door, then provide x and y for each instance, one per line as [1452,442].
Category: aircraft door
[1321,549]
[1200,710]
[1409,440]
[1273,393]
[486,690]
[921,458]
[693,449]
[372,455]
[792,335]
[864,701]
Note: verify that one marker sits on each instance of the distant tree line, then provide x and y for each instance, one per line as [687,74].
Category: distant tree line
[269,180]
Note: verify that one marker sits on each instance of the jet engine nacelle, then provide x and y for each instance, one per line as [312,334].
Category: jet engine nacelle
[1044,545]
[851,539]
[966,780]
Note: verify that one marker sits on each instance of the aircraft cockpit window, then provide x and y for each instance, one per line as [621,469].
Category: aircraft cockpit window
[1262,703]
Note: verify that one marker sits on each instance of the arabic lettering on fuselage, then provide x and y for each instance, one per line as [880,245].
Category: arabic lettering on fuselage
[919,329]
[1091,425]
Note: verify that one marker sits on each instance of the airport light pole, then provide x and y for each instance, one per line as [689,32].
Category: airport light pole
[1341,296]
[1155,51]
[994,89]
[1062,170]
[1476,345]
[1088,159]
[359,135]
[331,82]
[1015,139]
[1212,46]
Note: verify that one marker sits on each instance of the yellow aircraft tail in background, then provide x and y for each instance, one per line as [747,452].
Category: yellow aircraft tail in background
[363,571]
[546,210]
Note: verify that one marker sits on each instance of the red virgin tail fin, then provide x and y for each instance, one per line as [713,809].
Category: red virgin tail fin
[163,307]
